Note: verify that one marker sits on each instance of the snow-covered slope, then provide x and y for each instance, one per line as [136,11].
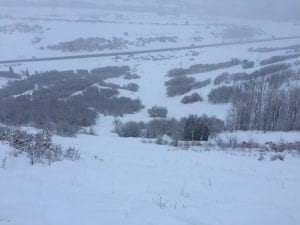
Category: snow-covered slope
[125,181]
[121,181]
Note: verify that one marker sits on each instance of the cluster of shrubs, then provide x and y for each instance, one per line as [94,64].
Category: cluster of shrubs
[22,28]
[227,78]
[247,64]
[158,112]
[131,76]
[38,147]
[191,128]
[278,58]
[202,68]
[195,97]
[177,72]
[223,94]
[201,84]
[179,85]
[274,49]
[232,142]
[150,40]
[100,44]
[36,40]
[183,84]
[131,87]
[65,101]
[90,44]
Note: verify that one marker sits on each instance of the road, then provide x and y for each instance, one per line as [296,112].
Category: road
[130,53]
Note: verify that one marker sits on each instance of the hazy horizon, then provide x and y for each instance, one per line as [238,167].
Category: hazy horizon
[264,9]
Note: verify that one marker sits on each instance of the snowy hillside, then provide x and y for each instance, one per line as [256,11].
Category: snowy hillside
[121,181]
[123,139]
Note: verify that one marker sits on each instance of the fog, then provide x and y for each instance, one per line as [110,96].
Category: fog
[254,8]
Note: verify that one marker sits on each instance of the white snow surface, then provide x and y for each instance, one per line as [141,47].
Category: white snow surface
[125,181]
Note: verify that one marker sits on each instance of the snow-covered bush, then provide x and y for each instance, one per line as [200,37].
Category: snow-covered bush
[223,78]
[158,112]
[72,154]
[179,85]
[90,44]
[247,64]
[177,72]
[197,128]
[201,84]
[131,76]
[195,97]
[38,147]
[21,28]
[132,87]
[223,94]
[192,128]
[202,68]
[130,129]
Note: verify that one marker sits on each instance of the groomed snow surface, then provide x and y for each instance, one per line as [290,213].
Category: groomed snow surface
[124,181]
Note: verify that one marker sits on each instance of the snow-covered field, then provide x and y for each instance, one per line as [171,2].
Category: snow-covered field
[62,25]
[125,181]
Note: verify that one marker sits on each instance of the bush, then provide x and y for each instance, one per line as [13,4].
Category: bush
[158,111]
[192,128]
[247,64]
[222,94]
[242,76]
[132,87]
[277,157]
[202,68]
[197,128]
[177,72]
[173,91]
[131,76]
[130,129]
[179,85]
[72,154]
[180,81]
[38,147]
[223,78]
[191,99]
[201,84]
[159,127]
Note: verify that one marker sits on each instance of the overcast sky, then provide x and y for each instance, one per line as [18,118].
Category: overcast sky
[262,8]
[274,8]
